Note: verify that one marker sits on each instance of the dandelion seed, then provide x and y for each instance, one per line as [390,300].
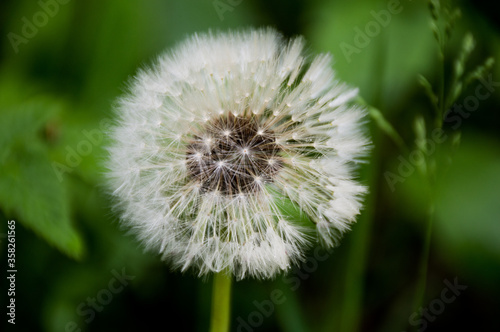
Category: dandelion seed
[242,123]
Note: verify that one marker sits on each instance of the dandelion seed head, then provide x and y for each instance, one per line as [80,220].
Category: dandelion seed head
[223,132]
[231,163]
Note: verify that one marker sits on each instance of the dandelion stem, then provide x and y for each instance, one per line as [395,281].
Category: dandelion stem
[221,303]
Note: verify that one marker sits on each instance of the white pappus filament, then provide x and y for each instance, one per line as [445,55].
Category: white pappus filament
[219,137]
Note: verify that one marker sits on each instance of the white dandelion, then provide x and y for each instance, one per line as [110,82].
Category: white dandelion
[223,132]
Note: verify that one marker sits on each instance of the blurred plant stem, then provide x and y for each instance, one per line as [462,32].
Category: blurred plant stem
[443,18]
[221,302]
[428,171]
[290,314]
[352,302]
[424,260]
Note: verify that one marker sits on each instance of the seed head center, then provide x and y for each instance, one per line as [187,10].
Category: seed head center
[240,156]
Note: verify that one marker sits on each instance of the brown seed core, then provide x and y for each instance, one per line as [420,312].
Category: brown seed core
[233,155]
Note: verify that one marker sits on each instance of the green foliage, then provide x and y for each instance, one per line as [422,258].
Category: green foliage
[383,65]
[288,208]
[470,231]
[62,84]
[442,24]
[30,191]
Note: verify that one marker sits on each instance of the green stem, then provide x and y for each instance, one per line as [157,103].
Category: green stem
[424,262]
[354,287]
[221,303]
[431,177]
[355,271]
[430,174]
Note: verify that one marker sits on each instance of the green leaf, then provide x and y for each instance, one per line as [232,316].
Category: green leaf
[428,90]
[384,125]
[291,210]
[30,191]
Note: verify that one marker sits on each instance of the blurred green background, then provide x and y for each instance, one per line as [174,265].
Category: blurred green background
[62,65]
